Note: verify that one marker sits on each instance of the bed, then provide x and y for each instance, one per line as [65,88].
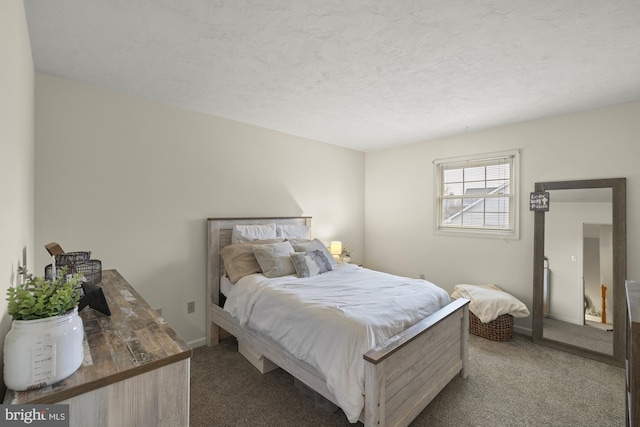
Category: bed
[401,376]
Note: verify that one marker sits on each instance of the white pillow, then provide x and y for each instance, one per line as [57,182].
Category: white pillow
[293,231]
[275,259]
[313,245]
[248,233]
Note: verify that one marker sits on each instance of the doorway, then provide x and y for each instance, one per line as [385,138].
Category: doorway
[597,275]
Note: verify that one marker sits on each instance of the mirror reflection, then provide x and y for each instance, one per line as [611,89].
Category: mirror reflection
[578,269]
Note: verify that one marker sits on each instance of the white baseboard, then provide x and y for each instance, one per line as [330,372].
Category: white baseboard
[198,343]
[566,319]
[522,330]
[597,319]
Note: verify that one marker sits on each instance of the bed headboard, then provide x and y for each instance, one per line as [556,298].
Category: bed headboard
[219,236]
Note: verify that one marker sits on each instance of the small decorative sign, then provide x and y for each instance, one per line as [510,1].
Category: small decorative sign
[539,201]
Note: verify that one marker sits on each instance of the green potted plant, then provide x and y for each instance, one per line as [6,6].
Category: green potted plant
[38,298]
[45,343]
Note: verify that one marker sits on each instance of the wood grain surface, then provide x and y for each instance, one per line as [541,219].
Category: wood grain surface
[130,342]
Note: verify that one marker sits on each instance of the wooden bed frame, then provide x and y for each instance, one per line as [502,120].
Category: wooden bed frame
[401,377]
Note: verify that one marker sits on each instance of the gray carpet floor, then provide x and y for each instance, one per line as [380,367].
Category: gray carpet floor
[515,383]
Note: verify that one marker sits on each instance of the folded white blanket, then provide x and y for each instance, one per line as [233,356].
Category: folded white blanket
[489,301]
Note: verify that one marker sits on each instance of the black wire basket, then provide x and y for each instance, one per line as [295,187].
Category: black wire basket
[72,258]
[91,270]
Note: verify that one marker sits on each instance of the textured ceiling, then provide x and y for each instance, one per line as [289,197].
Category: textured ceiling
[362,74]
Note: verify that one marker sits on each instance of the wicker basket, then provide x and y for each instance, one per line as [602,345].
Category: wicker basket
[499,329]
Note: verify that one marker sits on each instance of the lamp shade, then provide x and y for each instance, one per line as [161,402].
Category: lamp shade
[335,248]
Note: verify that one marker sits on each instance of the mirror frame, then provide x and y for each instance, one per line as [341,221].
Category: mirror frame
[619,231]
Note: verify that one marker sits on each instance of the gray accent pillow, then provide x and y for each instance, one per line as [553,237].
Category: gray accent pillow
[275,259]
[313,245]
[310,263]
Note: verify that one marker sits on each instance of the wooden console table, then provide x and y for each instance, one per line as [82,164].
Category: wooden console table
[135,370]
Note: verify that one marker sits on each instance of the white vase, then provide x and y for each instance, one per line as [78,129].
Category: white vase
[41,352]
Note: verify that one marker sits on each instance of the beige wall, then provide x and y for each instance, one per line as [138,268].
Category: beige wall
[399,196]
[16,152]
[134,181]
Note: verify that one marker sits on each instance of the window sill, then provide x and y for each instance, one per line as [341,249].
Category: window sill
[489,234]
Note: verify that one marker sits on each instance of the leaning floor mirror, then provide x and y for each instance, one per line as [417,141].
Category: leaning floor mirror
[580,267]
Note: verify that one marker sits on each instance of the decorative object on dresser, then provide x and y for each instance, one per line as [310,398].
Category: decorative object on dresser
[79,262]
[401,375]
[82,264]
[93,296]
[633,353]
[44,344]
[136,372]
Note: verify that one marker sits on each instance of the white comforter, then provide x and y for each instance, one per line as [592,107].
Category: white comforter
[332,319]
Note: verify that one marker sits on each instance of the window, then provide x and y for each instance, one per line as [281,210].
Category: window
[478,194]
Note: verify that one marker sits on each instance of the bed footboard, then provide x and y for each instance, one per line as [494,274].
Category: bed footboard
[402,377]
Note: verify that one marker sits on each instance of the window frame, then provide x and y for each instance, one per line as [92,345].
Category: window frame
[440,165]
